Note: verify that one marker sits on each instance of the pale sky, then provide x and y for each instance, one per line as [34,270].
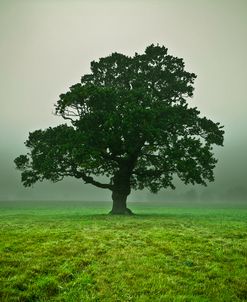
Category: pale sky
[47,45]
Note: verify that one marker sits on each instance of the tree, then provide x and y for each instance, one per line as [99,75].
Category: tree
[127,121]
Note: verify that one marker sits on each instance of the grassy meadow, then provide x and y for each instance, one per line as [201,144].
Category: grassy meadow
[73,251]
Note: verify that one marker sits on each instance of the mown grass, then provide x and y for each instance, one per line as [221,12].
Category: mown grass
[72,252]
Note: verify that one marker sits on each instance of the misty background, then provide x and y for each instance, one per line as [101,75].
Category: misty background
[46,46]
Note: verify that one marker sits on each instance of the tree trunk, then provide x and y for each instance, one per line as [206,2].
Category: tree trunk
[121,190]
[119,206]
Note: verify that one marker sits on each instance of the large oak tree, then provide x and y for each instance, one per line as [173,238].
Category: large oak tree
[129,121]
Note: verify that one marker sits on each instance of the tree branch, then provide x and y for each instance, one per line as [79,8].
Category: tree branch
[90,180]
[112,157]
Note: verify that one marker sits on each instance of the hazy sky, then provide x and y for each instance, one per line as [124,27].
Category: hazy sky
[47,45]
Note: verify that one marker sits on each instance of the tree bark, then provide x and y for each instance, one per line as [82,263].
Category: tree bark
[120,191]
[119,206]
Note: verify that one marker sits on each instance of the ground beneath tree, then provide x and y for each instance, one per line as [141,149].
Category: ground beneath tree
[73,252]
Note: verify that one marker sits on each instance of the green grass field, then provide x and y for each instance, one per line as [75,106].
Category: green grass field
[73,251]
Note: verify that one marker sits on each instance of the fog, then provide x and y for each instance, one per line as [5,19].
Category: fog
[46,46]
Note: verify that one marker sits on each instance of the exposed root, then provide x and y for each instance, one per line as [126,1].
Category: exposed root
[126,211]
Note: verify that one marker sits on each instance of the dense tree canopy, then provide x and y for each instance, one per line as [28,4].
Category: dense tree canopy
[128,121]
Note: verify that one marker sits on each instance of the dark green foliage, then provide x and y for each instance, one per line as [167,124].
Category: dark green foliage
[129,122]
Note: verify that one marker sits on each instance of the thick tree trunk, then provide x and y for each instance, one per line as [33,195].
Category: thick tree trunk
[121,190]
[119,206]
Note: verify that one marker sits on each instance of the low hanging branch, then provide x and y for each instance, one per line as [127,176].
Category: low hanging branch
[90,180]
